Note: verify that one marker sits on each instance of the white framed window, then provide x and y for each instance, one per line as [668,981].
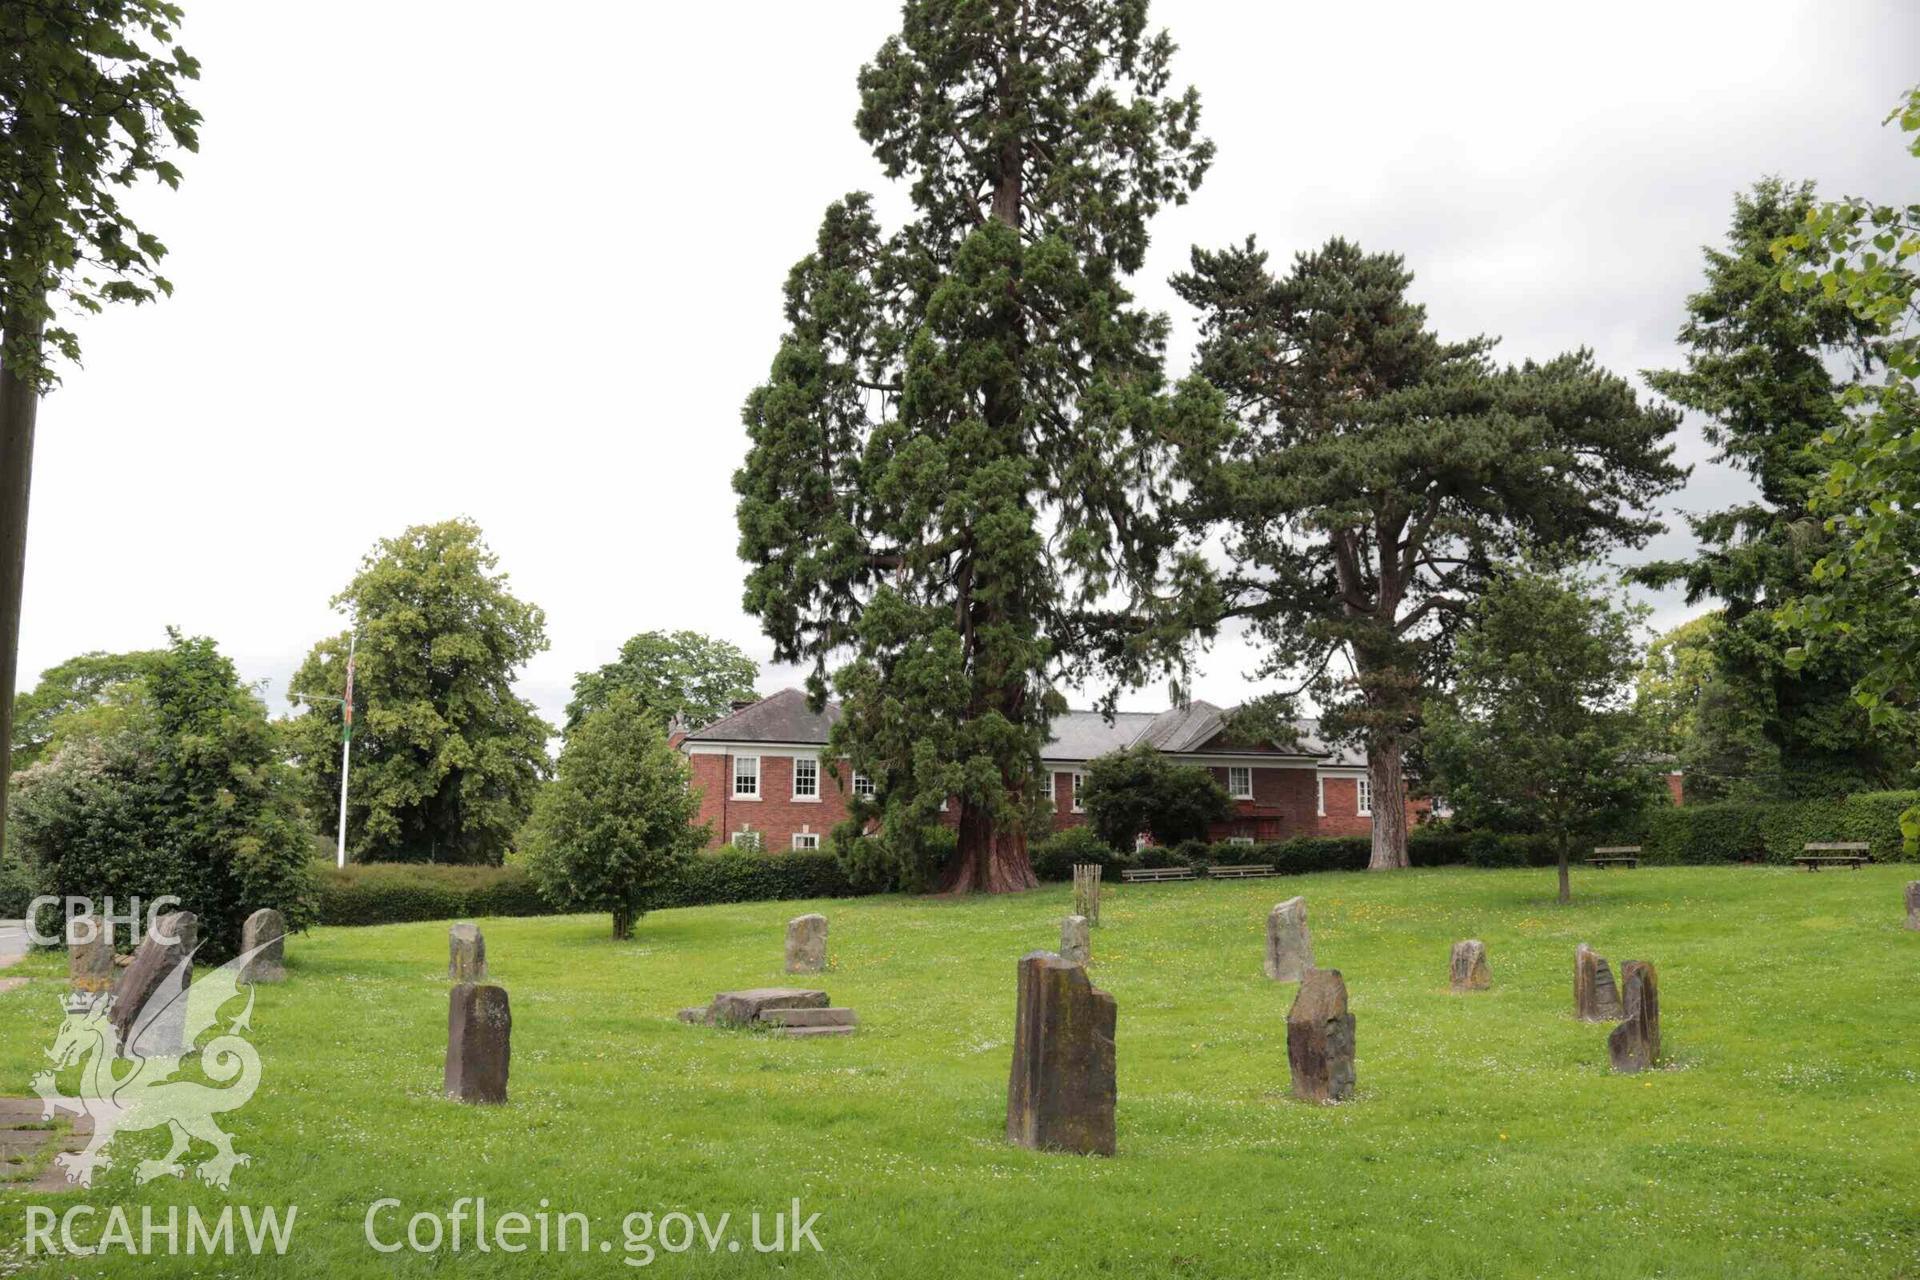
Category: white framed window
[1240,781]
[1053,793]
[806,777]
[1320,804]
[746,777]
[1245,840]
[1141,841]
[1079,792]
[806,840]
[863,785]
[747,838]
[1363,796]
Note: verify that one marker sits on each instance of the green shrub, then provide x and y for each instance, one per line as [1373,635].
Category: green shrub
[1874,816]
[1704,833]
[1777,833]
[745,875]
[402,892]
[1492,849]
[1054,857]
[16,889]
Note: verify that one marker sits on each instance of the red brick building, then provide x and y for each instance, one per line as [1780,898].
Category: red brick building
[763,778]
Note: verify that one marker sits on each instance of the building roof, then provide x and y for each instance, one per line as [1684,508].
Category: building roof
[1076,735]
[779,717]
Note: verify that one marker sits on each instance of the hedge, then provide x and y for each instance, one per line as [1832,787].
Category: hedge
[400,892]
[403,892]
[1731,832]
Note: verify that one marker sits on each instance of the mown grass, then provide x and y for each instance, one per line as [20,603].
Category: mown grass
[1487,1139]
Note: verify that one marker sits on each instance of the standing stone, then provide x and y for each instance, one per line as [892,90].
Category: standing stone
[1595,998]
[265,929]
[1320,1038]
[1634,1045]
[1061,1092]
[466,953]
[89,955]
[1913,904]
[150,995]
[1076,940]
[807,944]
[1086,891]
[479,1043]
[1289,944]
[1468,970]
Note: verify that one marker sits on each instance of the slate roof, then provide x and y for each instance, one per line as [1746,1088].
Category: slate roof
[1077,735]
[780,717]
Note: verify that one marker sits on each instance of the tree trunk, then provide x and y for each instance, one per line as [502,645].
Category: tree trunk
[1566,885]
[623,922]
[988,860]
[1388,783]
[19,406]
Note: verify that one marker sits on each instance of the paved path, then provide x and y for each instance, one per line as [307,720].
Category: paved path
[13,941]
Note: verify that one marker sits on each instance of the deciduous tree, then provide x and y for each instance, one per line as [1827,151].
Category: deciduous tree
[674,674]
[1538,734]
[618,816]
[1867,589]
[1140,790]
[445,755]
[71,687]
[960,464]
[89,106]
[1377,475]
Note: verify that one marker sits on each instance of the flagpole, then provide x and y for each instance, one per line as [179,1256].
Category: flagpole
[346,748]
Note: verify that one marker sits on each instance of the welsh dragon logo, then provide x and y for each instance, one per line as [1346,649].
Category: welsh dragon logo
[134,1086]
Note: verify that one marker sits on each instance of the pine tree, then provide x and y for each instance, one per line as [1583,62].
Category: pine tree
[959,478]
[1765,367]
[1377,476]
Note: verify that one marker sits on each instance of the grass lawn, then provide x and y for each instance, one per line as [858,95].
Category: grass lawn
[1487,1139]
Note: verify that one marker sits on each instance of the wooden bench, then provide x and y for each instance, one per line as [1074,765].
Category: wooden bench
[1849,853]
[1149,875]
[1615,855]
[1246,871]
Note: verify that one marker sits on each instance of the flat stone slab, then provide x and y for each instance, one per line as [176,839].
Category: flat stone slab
[23,1142]
[809,1018]
[738,1008]
[15,1112]
[805,1032]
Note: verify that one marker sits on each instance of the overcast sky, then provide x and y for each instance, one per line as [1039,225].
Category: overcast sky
[523,263]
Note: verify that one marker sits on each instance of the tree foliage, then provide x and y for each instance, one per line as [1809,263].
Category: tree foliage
[89,105]
[185,793]
[1377,477]
[679,675]
[1710,728]
[73,687]
[618,817]
[961,464]
[1867,589]
[1538,734]
[445,755]
[90,102]
[1765,369]
[1139,790]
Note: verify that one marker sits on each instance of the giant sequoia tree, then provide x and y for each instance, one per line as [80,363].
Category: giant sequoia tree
[1376,476]
[959,472]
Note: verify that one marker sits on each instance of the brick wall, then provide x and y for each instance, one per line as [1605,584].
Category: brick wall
[776,815]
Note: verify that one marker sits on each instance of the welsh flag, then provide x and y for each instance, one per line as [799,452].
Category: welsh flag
[346,706]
